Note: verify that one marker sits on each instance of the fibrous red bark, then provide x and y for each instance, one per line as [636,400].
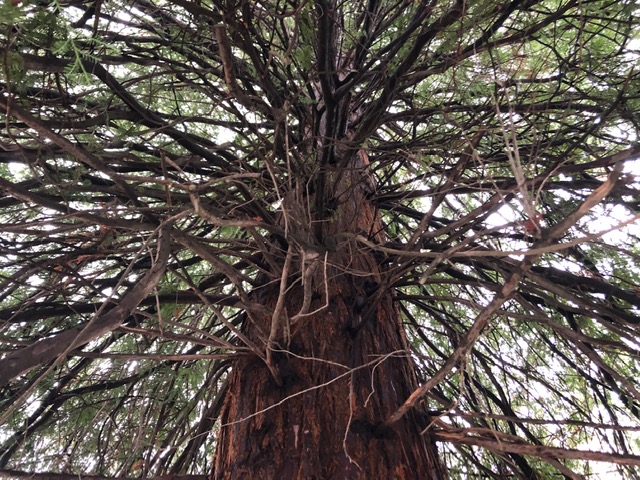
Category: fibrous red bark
[342,371]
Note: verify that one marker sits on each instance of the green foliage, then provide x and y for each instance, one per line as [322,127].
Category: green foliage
[13,67]
[9,14]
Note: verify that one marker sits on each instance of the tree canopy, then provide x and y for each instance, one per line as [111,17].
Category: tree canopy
[156,155]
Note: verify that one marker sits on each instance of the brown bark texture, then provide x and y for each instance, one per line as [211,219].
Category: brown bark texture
[342,370]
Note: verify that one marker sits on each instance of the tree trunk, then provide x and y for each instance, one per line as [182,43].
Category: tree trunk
[340,372]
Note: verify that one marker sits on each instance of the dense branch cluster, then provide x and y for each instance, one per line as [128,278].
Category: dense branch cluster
[157,155]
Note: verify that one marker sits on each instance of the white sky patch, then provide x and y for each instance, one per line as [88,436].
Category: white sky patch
[108,292]
[34,281]
[502,217]
[609,218]
[18,171]
[633,167]
[225,135]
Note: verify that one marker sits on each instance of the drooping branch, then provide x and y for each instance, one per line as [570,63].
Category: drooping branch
[46,350]
[501,443]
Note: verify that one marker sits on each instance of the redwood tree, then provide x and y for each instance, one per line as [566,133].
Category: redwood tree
[319,240]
